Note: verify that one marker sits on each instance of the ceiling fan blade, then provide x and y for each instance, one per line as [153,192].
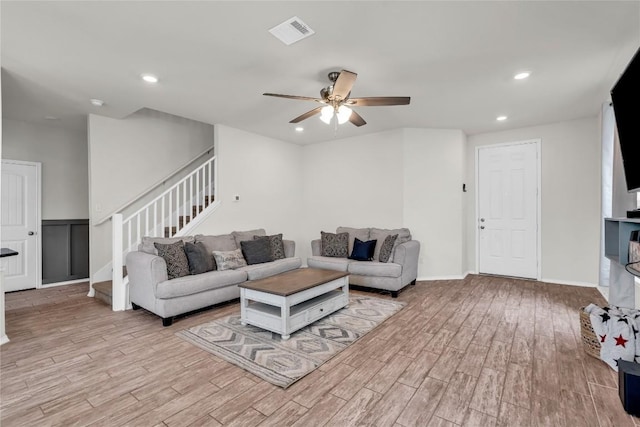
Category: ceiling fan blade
[343,84]
[357,119]
[306,115]
[379,100]
[301,98]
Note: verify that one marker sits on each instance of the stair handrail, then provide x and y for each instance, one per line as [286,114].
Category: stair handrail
[170,189]
[205,174]
[153,187]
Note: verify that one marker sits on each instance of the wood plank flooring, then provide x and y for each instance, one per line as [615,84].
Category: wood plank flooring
[483,351]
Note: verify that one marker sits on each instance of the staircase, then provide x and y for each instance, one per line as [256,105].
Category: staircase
[173,213]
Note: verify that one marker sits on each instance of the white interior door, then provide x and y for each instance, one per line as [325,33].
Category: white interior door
[508,210]
[20,218]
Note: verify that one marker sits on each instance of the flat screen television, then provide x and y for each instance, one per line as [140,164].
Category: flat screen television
[625,97]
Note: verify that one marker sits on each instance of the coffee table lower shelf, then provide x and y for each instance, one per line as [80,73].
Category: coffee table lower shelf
[286,314]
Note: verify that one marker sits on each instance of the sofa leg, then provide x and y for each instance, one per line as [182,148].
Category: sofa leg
[167,321]
[394,294]
[413,283]
[135,306]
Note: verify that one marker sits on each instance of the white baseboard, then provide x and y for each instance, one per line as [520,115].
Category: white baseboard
[432,278]
[68,282]
[569,282]
[604,291]
[4,339]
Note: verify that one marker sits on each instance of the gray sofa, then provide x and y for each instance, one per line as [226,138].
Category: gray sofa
[150,288]
[400,271]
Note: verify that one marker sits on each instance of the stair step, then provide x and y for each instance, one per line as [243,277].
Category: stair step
[184,220]
[169,232]
[104,291]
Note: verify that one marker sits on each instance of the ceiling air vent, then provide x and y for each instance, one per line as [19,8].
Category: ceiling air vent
[291,31]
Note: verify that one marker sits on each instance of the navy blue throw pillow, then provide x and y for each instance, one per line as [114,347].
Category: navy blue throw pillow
[363,251]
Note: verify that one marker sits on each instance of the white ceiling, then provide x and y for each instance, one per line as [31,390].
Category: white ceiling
[215,59]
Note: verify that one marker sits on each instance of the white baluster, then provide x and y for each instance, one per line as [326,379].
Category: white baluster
[210,181]
[191,196]
[197,211]
[162,219]
[118,299]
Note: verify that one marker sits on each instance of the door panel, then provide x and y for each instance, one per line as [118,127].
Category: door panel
[19,219]
[508,210]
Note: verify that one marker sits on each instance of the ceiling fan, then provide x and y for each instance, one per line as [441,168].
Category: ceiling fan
[336,101]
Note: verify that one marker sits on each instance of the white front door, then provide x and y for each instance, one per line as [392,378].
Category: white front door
[19,216]
[508,210]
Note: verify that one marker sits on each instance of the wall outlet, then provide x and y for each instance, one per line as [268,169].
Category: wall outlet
[236,198]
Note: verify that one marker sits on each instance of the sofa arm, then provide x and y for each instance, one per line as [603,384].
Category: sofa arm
[407,254]
[145,271]
[289,248]
[315,247]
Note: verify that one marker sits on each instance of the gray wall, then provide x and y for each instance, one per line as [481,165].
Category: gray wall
[63,154]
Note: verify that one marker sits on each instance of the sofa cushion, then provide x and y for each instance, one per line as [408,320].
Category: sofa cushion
[404,235]
[363,251]
[276,244]
[256,251]
[241,236]
[375,268]
[229,260]
[334,245]
[189,285]
[386,248]
[174,256]
[328,263]
[147,246]
[223,242]
[360,233]
[260,271]
[200,260]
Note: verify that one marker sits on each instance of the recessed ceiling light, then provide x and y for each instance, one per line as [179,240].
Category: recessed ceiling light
[501,118]
[149,78]
[521,76]
[299,129]
[96,102]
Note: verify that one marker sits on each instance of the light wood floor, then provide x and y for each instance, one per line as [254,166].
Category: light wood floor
[483,351]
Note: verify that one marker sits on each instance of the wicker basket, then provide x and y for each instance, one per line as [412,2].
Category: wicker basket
[590,341]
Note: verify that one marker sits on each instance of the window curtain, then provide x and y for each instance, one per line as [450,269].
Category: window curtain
[607,127]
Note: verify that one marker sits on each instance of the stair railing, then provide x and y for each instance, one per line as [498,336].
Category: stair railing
[167,215]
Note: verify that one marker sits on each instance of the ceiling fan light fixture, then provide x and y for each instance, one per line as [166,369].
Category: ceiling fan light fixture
[344,113]
[326,114]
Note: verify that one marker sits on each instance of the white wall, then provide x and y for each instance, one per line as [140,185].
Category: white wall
[352,182]
[433,205]
[571,165]
[63,154]
[265,173]
[127,157]
[403,178]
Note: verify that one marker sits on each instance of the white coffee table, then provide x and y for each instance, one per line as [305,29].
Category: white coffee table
[290,301]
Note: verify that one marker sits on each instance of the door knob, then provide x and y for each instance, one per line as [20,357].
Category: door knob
[481,219]
[482,227]
[31,233]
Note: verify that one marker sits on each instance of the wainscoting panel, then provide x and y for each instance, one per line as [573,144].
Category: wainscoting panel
[65,250]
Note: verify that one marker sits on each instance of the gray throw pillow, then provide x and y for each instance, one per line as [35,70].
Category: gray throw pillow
[200,260]
[276,244]
[176,259]
[229,260]
[387,248]
[334,245]
[256,251]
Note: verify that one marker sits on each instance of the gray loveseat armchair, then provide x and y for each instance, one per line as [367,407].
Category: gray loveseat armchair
[150,288]
[400,271]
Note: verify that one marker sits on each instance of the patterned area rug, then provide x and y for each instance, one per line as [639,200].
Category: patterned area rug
[280,362]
